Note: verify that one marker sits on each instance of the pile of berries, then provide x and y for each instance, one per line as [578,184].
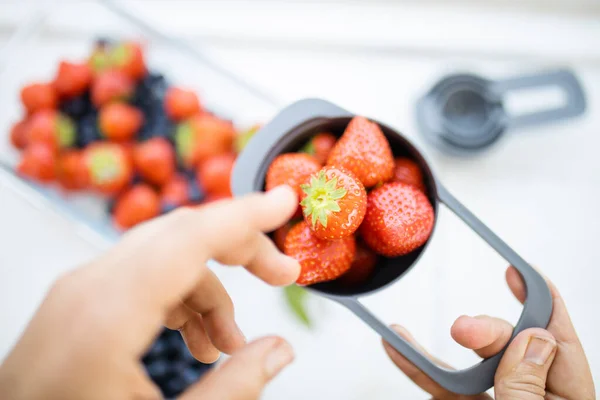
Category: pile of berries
[170,364]
[109,126]
[356,203]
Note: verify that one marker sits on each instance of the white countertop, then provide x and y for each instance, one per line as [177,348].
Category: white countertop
[538,189]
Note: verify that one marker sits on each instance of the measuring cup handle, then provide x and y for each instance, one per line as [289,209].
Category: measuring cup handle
[480,377]
[564,79]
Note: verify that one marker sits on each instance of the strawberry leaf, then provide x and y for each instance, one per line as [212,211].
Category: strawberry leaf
[295,297]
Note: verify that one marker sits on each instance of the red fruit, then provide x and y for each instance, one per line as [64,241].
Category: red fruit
[333,203]
[72,79]
[408,171]
[364,150]
[320,260]
[39,96]
[320,146]
[128,58]
[214,174]
[51,128]
[211,198]
[111,85]
[38,162]
[155,160]
[181,104]
[399,219]
[202,137]
[71,170]
[120,121]
[281,233]
[109,167]
[18,134]
[138,204]
[175,192]
[362,266]
[292,169]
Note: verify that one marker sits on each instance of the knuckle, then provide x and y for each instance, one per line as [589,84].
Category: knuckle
[523,380]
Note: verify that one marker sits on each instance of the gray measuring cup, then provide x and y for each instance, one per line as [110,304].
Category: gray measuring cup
[464,114]
[296,124]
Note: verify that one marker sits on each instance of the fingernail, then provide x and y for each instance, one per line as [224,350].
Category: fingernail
[539,350]
[280,356]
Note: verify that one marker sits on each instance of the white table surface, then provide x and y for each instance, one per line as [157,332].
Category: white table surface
[537,189]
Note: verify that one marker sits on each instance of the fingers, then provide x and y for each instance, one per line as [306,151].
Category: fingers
[523,370]
[415,374]
[191,327]
[485,335]
[246,373]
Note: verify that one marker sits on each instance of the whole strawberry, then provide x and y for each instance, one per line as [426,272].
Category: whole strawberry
[72,79]
[120,121]
[18,134]
[364,150]
[214,174]
[408,171]
[333,203]
[38,162]
[136,205]
[109,167]
[320,260]
[281,233]
[292,169]
[51,128]
[399,219]
[71,171]
[154,159]
[128,57]
[362,266]
[181,103]
[201,137]
[39,96]
[320,146]
[111,85]
[175,192]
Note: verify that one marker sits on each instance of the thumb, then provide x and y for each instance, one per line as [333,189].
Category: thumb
[524,367]
[246,373]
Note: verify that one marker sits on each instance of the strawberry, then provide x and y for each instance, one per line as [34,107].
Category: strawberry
[364,150]
[320,146]
[39,96]
[71,170]
[181,103]
[201,137]
[120,121]
[399,219]
[99,61]
[128,58]
[109,167]
[72,79]
[333,203]
[111,85]
[281,233]
[38,162]
[408,171]
[291,169]
[175,192]
[211,198]
[155,160]
[136,205]
[214,174]
[18,134]
[51,128]
[362,266]
[320,260]
[242,138]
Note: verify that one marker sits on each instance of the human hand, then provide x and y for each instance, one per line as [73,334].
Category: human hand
[538,364]
[88,336]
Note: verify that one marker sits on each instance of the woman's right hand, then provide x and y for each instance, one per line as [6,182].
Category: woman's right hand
[538,364]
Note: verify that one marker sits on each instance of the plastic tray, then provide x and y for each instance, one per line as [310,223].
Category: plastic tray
[66,31]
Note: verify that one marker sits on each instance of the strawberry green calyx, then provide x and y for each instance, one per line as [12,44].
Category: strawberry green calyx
[119,55]
[99,60]
[184,140]
[65,129]
[321,199]
[308,148]
[104,166]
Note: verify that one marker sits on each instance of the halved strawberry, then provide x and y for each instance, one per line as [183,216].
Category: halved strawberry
[51,128]
[109,167]
[39,96]
[399,219]
[364,150]
[333,203]
[320,260]
[408,171]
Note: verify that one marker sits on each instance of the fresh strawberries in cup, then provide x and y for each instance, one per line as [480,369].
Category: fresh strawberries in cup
[320,146]
[362,266]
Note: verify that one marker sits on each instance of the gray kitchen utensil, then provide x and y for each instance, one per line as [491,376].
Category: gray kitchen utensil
[296,124]
[464,113]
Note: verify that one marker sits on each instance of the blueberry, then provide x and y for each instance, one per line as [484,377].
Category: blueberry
[190,376]
[77,107]
[103,42]
[196,192]
[87,130]
[167,208]
[110,206]
[157,369]
[175,386]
